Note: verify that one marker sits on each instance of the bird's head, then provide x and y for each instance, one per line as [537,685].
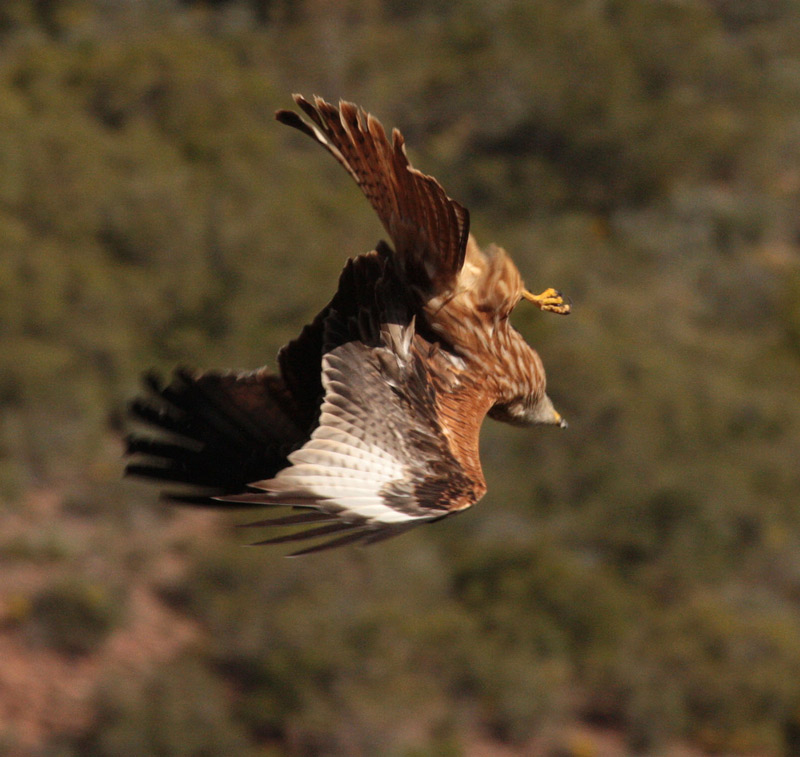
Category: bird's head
[523,412]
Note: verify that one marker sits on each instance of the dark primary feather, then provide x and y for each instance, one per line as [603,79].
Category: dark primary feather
[291,520]
[217,432]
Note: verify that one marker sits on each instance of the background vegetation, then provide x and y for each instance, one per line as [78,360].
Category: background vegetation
[631,584]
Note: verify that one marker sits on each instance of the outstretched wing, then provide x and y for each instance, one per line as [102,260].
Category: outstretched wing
[212,433]
[380,461]
[428,229]
[393,442]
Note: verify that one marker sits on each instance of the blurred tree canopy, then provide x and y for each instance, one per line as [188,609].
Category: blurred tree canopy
[639,572]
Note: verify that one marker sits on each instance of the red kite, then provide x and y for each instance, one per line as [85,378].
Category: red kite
[371,424]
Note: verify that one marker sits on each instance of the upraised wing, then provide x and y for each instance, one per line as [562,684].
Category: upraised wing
[428,229]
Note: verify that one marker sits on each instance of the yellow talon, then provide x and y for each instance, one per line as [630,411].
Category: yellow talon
[550,299]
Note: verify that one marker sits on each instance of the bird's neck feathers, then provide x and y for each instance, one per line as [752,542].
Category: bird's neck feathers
[473,321]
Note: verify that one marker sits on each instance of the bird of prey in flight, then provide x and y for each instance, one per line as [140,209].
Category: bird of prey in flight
[370,424]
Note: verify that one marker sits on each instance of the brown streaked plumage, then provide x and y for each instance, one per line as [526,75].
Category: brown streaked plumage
[371,425]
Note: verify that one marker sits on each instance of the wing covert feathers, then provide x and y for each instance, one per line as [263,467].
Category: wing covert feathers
[428,229]
[379,462]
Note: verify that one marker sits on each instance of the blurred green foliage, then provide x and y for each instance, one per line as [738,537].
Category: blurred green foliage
[181,710]
[639,572]
[73,617]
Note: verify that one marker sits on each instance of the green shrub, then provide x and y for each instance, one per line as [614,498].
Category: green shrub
[181,711]
[73,617]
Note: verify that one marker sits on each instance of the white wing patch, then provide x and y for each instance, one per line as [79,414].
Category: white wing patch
[344,466]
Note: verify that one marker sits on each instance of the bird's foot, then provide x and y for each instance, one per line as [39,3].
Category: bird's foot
[550,299]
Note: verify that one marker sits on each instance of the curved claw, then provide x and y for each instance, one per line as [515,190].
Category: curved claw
[551,300]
